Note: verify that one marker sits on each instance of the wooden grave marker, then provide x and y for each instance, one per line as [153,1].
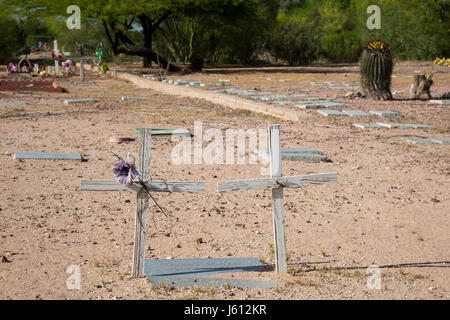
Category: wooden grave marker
[82,58]
[140,231]
[277,182]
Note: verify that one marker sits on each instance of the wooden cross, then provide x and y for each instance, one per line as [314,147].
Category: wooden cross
[82,57]
[277,182]
[55,51]
[140,231]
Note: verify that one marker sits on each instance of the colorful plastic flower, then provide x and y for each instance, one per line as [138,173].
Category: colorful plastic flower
[125,171]
[11,67]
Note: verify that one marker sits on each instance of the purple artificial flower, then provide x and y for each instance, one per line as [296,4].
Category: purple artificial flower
[11,67]
[125,172]
[64,64]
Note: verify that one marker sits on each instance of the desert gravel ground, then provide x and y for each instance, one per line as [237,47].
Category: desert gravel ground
[390,207]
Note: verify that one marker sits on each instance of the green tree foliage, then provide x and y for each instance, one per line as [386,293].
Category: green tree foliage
[11,38]
[231,36]
[232,31]
[415,29]
[293,38]
[315,30]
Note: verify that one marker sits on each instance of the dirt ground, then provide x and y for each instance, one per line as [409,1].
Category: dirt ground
[390,207]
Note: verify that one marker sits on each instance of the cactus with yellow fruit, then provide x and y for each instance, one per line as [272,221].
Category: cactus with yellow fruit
[376,70]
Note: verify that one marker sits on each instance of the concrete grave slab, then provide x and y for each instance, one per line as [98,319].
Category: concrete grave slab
[283,102]
[12,104]
[420,141]
[289,150]
[439,101]
[233,91]
[315,99]
[308,106]
[279,97]
[442,140]
[167,132]
[248,92]
[356,113]
[86,100]
[47,155]
[181,82]
[262,98]
[386,113]
[331,113]
[296,154]
[200,266]
[189,272]
[125,98]
[368,126]
[319,105]
[404,125]
[211,282]
[298,95]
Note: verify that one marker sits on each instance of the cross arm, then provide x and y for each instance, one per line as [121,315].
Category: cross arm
[152,186]
[276,182]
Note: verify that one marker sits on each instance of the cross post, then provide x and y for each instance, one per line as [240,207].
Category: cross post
[140,230]
[55,51]
[276,183]
[81,63]
[82,57]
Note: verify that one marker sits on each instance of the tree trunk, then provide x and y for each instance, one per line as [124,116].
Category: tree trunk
[147,63]
[421,87]
[148,31]
[196,63]
[129,48]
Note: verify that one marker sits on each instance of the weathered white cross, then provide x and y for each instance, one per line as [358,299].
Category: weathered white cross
[55,51]
[140,230]
[277,182]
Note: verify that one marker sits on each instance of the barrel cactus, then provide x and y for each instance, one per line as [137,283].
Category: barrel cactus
[376,70]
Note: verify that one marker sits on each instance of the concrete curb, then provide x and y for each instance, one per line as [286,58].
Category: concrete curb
[214,97]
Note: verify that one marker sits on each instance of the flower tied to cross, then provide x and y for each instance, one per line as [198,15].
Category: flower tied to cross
[126,172]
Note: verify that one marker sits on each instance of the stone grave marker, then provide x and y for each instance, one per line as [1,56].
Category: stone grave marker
[434,101]
[386,113]
[167,132]
[84,100]
[12,104]
[368,126]
[125,98]
[198,271]
[442,140]
[331,113]
[48,155]
[356,113]
[404,125]
[296,154]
